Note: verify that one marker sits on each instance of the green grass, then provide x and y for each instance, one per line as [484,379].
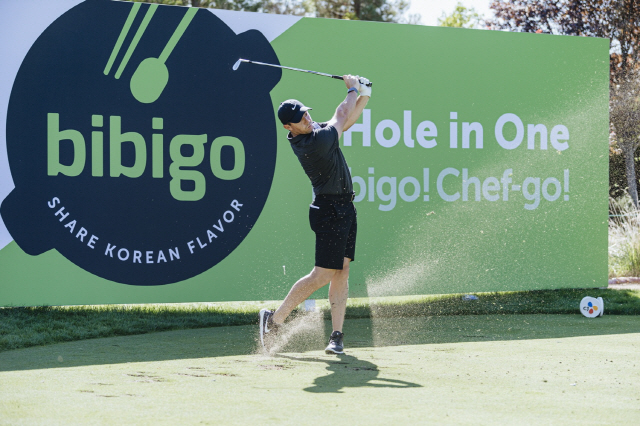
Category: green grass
[564,301]
[25,327]
[442,370]
[32,326]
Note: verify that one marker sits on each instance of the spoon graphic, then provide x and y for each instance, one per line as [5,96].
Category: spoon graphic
[152,75]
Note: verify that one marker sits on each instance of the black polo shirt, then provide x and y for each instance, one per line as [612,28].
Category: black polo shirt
[322,160]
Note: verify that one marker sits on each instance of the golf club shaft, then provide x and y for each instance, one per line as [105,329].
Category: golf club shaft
[338,77]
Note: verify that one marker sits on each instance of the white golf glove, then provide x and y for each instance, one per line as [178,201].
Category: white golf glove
[364,89]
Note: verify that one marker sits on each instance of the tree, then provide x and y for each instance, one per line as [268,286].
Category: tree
[618,20]
[241,5]
[461,17]
[363,10]
[285,7]
[624,116]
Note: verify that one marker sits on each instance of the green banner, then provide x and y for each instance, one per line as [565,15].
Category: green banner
[479,164]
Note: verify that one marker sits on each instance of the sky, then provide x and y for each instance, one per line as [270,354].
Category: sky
[431,10]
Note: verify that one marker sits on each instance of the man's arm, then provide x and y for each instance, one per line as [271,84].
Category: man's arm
[346,108]
[355,114]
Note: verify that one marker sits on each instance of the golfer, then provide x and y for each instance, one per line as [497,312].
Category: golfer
[332,215]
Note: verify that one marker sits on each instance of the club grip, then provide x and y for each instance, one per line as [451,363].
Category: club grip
[339,77]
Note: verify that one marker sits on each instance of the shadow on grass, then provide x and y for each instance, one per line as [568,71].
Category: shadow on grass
[349,372]
[359,334]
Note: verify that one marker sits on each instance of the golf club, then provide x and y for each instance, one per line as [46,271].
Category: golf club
[338,77]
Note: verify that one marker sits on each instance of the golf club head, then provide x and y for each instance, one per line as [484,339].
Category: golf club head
[237,64]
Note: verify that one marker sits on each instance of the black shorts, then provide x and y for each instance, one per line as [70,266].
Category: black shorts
[333,219]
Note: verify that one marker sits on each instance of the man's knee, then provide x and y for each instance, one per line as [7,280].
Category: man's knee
[345,266]
[346,263]
[323,275]
[344,273]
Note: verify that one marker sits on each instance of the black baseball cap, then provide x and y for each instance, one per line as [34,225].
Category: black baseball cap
[291,111]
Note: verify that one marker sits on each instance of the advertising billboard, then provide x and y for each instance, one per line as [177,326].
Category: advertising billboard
[137,166]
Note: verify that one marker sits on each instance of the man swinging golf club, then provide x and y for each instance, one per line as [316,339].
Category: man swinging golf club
[332,215]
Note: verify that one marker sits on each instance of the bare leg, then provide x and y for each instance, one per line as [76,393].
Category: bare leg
[302,289]
[338,295]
